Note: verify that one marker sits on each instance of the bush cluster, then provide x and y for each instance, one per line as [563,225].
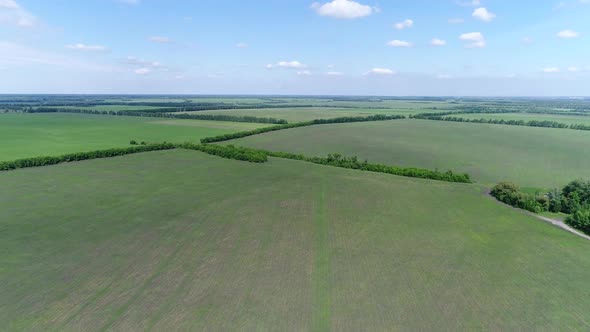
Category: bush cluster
[228,152]
[532,123]
[573,199]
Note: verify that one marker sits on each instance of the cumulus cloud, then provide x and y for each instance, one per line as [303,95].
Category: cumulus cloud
[568,34]
[130,2]
[11,13]
[527,40]
[343,9]
[334,73]
[160,39]
[304,73]
[241,45]
[381,72]
[404,24]
[444,77]
[84,47]
[483,14]
[551,70]
[438,42]
[472,3]
[287,65]
[473,39]
[143,71]
[399,43]
[573,69]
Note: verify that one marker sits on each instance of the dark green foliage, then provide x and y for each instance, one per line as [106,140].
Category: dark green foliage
[338,160]
[575,196]
[532,123]
[510,194]
[242,134]
[45,161]
[580,220]
[133,142]
[228,152]
[163,113]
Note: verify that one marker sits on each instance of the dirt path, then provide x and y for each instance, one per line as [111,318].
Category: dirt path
[554,222]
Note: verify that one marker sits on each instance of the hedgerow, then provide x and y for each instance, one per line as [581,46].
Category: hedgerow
[531,123]
[45,161]
[228,152]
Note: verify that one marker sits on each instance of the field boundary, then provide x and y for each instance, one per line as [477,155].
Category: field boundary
[446,116]
[243,154]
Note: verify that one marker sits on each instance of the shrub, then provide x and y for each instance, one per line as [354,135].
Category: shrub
[580,220]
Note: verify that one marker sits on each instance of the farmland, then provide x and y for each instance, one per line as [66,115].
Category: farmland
[532,157]
[182,240]
[220,244]
[32,135]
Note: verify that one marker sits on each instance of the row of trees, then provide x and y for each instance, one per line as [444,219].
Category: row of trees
[338,160]
[228,152]
[532,123]
[45,161]
[258,131]
[158,114]
[573,199]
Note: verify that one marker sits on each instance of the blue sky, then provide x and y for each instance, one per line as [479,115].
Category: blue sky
[343,47]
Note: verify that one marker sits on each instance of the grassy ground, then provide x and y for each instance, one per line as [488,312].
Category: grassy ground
[30,135]
[569,119]
[531,157]
[215,244]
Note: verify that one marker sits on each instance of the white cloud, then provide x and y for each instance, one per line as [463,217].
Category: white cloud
[179,77]
[304,73]
[130,2]
[344,9]
[287,65]
[474,39]
[399,43]
[438,42]
[573,69]
[241,45]
[334,73]
[551,70]
[13,14]
[568,34]
[483,14]
[160,39]
[143,71]
[381,71]
[456,20]
[84,47]
[444,77]
[404,24]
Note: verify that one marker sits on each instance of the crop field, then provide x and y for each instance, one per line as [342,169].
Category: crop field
[567,119]
[179,240]
[532,157]
[107,108]
[31,135]
[306,114]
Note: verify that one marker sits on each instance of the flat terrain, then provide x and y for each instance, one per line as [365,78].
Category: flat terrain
[569,119]
[179,240]
[300,114]
[531,157]
[32,135]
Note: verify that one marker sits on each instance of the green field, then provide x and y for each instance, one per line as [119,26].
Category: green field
[31,135]
[107,108]
[127,244]
[299,114]
[569,119]
[531,157]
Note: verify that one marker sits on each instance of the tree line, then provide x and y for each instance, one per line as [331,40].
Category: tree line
[573,199]
[531,123]
[208,117]
[79,156]
[241,134]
